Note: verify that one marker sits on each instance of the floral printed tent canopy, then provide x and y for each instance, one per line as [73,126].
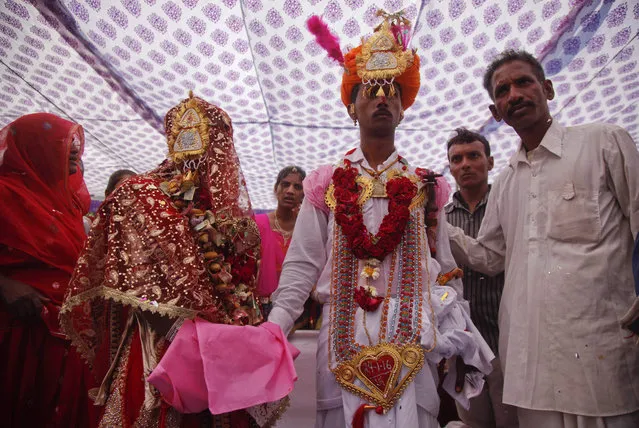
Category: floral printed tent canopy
[117,66]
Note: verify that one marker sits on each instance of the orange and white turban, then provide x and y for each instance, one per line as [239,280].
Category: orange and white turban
[381,60]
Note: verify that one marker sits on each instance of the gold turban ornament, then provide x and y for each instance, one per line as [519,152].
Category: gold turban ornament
[382,59]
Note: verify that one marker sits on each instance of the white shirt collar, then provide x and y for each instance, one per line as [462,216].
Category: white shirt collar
[552,141]
[357,156]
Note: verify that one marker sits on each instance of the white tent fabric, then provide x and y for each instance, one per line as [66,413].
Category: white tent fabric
[117,66]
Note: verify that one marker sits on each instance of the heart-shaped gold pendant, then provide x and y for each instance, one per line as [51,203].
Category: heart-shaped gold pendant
[375,373]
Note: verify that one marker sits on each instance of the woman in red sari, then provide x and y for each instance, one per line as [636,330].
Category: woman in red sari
[43,381]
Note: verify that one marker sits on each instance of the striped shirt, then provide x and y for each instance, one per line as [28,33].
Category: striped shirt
[482,291]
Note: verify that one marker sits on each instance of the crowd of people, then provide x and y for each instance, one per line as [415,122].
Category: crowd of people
[516,299]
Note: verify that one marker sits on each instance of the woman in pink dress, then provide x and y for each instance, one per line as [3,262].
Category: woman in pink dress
[276,229]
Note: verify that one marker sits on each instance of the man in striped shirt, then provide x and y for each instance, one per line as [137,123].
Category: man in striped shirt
[470,160]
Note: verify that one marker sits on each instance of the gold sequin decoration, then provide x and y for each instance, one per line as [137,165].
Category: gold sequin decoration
[368,189]
[188,133]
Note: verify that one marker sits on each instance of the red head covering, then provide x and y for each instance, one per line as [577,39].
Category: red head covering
[178,240]
[200,137]
[42,206]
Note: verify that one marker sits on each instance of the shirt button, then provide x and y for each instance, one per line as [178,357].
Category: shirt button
[532,195]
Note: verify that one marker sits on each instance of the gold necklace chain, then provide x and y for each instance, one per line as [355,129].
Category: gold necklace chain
[285,234]
[377,174]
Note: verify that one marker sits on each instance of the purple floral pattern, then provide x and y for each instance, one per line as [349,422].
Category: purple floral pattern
[571,46]
[617,15]
[491,14]
[456,8]
[118,17]
[351,28]
[158,22]
[241,46]
[293,8]
[621,38]
[525,20]
[212,12]
[515,6]
[197,25]
[260,64]
[434,18]
[333,11]
[469,25]
[447,35]
[172,10]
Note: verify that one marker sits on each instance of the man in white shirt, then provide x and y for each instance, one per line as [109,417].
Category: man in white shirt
[560,220]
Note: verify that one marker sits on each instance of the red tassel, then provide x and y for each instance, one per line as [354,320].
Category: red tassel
[164,408]
[358,417]
[324,38]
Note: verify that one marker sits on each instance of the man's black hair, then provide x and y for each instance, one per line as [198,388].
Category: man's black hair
[465,136]
[509,56]
[115,178]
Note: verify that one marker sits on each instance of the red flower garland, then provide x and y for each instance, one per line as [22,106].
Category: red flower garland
[348,214]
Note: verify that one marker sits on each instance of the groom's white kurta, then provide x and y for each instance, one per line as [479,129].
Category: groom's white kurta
[309,262]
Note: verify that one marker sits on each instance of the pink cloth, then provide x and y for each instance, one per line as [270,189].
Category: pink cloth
[273,252]
[442,192]
[224,367]
[315,185]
